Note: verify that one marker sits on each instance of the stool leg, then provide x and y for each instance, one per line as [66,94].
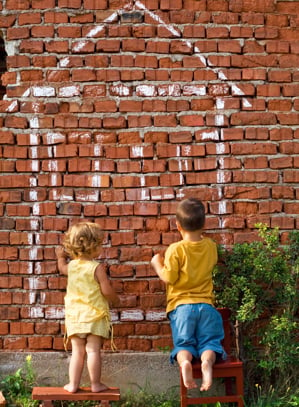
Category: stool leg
[228,386]
[240,388]
[47,403]
[183,392]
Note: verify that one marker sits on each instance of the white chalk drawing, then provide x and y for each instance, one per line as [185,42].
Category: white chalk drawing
[144,90]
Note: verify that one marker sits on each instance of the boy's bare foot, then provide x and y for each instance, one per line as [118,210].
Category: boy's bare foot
[70,388]
[97,388]
[187,374]
[207,375]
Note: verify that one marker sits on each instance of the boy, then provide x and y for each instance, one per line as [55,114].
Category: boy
[196,325]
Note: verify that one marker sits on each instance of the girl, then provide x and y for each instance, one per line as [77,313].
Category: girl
[87,317]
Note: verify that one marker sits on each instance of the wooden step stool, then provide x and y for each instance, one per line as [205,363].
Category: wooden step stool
[2,399]
[49,394]
[231,370]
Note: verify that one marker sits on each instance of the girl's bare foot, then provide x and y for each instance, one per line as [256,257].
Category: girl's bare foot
[187,374]
[97,388]
[70,388]
[207,375]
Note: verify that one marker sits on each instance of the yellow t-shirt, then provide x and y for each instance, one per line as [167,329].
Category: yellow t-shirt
[188,272]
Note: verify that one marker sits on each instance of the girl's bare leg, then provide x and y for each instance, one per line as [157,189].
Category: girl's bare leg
[184,359]
[76,364]
[208,359]
[93,350]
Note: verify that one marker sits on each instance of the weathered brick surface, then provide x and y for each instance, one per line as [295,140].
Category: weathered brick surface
[112,112]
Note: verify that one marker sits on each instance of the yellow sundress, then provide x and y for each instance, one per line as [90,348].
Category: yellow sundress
[86,309]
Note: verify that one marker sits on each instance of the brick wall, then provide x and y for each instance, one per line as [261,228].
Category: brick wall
[114,110]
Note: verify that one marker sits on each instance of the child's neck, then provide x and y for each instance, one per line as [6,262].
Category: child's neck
[194,236]
[84,258]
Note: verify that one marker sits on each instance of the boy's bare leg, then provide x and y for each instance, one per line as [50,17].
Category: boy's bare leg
[184,359]
[208,359]
[76,364]
[93,349]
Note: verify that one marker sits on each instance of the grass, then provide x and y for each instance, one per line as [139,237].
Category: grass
[144,398]
[17,390]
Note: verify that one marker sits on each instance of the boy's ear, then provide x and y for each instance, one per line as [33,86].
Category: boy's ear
[178,225]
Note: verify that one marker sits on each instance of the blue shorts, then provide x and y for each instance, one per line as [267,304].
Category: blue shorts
[196,328]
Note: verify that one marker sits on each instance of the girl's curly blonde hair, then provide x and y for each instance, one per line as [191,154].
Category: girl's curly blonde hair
[82,239]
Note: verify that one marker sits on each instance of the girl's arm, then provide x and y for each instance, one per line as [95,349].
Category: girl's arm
[106,286]
[61,260]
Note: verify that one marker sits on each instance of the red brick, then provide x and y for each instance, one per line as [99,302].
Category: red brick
[283,222]
[21,328]
[54,224]
[131,223]
[7,20]
[139,121]
[9,313]
[282,192]
[20,238]
[256,176]
[291,208]
[121,271]
[148,238]
[120,210]
[288,118]
[281,162]
[114,122]
[4,328]
[270,207]
[235,222]
[290,176]
[10,196]
[17,33]
[15,343]
[56,283]
[108,223]
[5,298]
[44,61]
[127,167]
[162,343]
[40,342]
[289,148]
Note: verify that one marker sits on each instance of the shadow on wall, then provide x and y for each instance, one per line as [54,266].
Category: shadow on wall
[3,56]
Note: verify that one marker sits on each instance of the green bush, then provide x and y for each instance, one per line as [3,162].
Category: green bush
[17,387]
[258,281]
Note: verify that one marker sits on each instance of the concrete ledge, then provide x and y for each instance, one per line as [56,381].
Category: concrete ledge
[130,371]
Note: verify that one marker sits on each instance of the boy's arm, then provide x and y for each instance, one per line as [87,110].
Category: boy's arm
[158,263]
[61,260]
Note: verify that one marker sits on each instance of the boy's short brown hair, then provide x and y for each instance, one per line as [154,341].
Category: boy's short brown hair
[191,214]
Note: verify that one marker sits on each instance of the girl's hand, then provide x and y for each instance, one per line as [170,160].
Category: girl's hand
[61,259]
[59,251]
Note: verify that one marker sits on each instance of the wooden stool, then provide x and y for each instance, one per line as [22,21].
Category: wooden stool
[231,370]
[49,394]
[2,399]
